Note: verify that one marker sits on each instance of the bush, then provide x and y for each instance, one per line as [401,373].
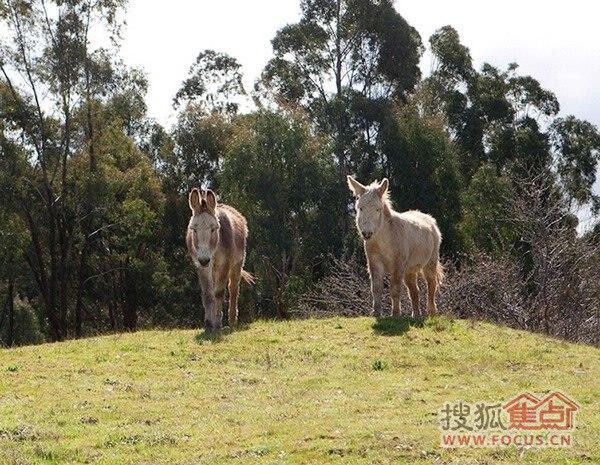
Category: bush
[564,303]
[486,288]
[26,329]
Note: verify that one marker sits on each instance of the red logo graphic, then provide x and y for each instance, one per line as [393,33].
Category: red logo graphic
[553,412]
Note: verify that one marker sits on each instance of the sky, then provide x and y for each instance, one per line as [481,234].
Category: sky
[556,42]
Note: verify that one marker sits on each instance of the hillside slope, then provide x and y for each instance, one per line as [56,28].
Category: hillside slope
[316,391]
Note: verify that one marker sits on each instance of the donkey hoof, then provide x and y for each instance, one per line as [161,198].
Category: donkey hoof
[208,326]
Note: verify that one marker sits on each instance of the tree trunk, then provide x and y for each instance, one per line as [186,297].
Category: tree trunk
[10,337]
[88,207]
[112,306]
[130,314]
[129,302]
[78,310]
[339,149]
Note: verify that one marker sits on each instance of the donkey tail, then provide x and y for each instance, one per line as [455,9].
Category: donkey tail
[439,273]
[248,277]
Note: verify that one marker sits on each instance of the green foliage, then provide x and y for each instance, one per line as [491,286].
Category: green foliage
[453,60]
[127,103]
[283,179]
[423,170]
[26,328]
[59,91]
[488,212]
[379,365]
[528,95]
[133,203]
[577,151]
[367,37]
[343,62]
[200,141]
[13,239]
[493,115]
[214,84]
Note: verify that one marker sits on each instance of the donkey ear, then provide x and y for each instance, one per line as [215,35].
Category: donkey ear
[211,200]
[383,187]
[356,187]
[195,200]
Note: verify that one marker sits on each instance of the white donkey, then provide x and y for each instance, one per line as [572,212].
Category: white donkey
[401,244]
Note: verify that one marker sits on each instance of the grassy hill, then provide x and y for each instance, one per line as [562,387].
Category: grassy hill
[317,391]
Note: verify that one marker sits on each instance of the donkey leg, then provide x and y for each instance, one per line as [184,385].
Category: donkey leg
[221,280]
[234,292]
[218,308]
[376,272]
[432,284]
[395,287]
[410,280]
[208,299]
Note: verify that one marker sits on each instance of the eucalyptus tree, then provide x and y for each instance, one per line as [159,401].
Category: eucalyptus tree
[344,62]
[56,79]
[283,178]
[576,155]
[493,115]
[214,83]
[13,165]
[423,168]
[506,127]
[208,99]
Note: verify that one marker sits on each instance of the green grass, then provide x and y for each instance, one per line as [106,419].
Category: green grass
[343,391]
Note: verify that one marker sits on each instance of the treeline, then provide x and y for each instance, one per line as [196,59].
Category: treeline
[94,204]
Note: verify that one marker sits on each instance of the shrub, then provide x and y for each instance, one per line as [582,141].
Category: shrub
[26,329]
